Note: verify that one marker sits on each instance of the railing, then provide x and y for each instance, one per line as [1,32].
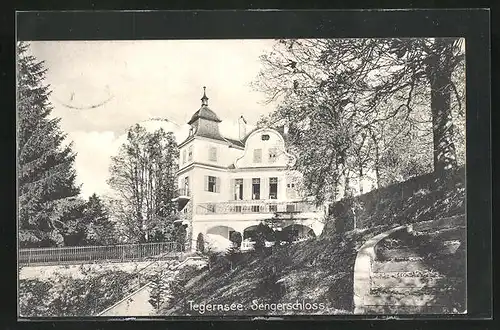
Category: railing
[183,192]
[71,254]
[255,206]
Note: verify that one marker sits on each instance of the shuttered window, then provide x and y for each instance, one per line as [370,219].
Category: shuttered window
[237,188]
[256,188]
[212,184]
[273,188]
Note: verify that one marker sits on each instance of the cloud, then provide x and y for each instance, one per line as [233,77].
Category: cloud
[139,80]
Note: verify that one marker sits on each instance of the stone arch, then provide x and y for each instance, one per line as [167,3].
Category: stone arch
[248,233]
[220,230]
[217,237]
[297,231]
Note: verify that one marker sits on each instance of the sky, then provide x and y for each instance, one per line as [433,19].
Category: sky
[101,88]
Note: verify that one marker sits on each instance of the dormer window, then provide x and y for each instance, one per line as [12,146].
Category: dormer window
[265,137]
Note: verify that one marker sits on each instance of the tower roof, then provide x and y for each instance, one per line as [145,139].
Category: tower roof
[204,112]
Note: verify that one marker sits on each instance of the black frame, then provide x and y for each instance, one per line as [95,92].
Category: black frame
[472,24]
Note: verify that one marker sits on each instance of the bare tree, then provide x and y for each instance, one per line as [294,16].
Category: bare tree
[143,176]
[359,101]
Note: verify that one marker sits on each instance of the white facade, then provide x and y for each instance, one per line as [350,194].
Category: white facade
[227,185]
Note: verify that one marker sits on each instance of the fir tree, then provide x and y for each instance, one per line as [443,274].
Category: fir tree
[101,230]
[46,179]
[159,288]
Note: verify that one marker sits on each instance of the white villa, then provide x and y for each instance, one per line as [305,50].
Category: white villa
[228,185]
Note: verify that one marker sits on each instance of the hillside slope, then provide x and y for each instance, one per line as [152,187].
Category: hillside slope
[319,270]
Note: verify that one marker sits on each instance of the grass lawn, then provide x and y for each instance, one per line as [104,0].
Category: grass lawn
[316,271]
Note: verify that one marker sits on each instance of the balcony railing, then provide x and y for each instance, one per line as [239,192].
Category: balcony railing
[183,192]
[255,206]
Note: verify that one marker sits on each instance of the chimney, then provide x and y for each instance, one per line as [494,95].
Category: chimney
[242,127]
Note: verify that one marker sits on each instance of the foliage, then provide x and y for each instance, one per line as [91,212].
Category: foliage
[48,202]
[143,176]
[64,295]
[180,235]
[262,234]
[102,230]
[421,198]
[236,238]
[34,298]
[93,228]
[364,104]
[200,243]
[159,289]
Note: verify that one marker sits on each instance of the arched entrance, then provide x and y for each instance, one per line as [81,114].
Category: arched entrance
[217,237]
[296,232]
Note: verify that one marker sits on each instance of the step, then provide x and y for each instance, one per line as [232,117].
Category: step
[427,273]
[400,300]
[399,253]
[391,309]
[439,289]
[409,282]
[398,266]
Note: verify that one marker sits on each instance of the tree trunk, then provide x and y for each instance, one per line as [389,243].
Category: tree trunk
[360,182]
[439,74]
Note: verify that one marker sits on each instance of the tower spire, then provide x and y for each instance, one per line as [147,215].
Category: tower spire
[204,99]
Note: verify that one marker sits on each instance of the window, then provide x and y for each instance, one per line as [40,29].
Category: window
[190,153]
[212,154]
[237,209]
[256,188]
[238,189]
[255,208]
[272,155]
[212,184]
[273,208]
[185,191]
[183,156]
[257,155]
[265,137]
[273,188]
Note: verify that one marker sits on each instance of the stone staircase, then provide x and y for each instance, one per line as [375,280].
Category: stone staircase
[417,270]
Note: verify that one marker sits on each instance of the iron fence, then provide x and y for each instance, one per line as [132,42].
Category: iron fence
[125,252]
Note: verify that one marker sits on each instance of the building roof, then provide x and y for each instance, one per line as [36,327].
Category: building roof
[235,142]
[206,113]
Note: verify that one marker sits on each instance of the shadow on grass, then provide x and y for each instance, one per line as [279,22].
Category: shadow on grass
[317,271]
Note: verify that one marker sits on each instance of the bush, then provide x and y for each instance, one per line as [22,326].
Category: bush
[200,243]
[34,298]
[236,238]
[67,296]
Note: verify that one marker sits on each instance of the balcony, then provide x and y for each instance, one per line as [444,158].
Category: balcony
[255,206]
[183,196]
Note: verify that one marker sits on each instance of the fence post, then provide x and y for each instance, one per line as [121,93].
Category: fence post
[59,256]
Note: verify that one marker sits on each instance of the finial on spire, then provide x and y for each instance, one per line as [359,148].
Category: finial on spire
[204,99]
